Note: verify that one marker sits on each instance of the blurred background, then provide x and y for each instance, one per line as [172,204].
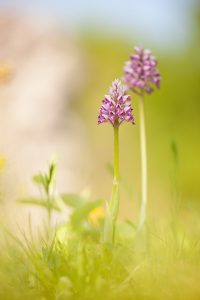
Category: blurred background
[57,60]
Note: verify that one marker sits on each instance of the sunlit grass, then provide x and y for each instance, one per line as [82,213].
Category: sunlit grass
[75,265]
[161,261]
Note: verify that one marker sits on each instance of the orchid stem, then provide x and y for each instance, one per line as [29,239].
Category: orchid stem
[116,154]
[113,206]
[143,208]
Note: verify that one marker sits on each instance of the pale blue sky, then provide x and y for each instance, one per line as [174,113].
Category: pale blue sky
[164,23]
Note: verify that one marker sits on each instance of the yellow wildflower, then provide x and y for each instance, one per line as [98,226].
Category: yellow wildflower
[96,215]
[5,72]
[2,163]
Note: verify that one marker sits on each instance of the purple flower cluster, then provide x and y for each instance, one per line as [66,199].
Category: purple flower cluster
[116,106]
[140,71]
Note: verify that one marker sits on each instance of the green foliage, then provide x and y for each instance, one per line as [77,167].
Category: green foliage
[46,180]
[71,263]
[48,200]
[162,262]
[41,203]
[151,265]
[81,206]
[73,200]
[81,213]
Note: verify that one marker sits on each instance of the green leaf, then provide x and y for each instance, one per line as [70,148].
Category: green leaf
[110,168]
[81,213]
[38,179]
[40,202]
[52,173]
[73,200]
[129,222]
[109,226]
[42,180]
[46,179]
[174,149]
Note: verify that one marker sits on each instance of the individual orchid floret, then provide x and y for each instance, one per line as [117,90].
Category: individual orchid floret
[116,106]
[140,71]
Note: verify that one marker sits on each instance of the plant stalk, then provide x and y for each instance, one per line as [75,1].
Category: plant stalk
[113,206]
[116,165]
[143,208]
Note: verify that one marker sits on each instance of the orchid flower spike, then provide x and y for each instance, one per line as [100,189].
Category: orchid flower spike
[140,72]
[116,106]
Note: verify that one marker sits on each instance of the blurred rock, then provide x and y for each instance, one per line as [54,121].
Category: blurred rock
[37,119]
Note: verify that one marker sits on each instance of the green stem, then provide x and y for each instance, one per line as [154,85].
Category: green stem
[116,164]
[143,207]
[116,153]
[113,206]
[49,209]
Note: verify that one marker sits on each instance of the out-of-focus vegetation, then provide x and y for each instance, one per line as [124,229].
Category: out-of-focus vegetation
[160,262]
[69,262]
[172,116]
